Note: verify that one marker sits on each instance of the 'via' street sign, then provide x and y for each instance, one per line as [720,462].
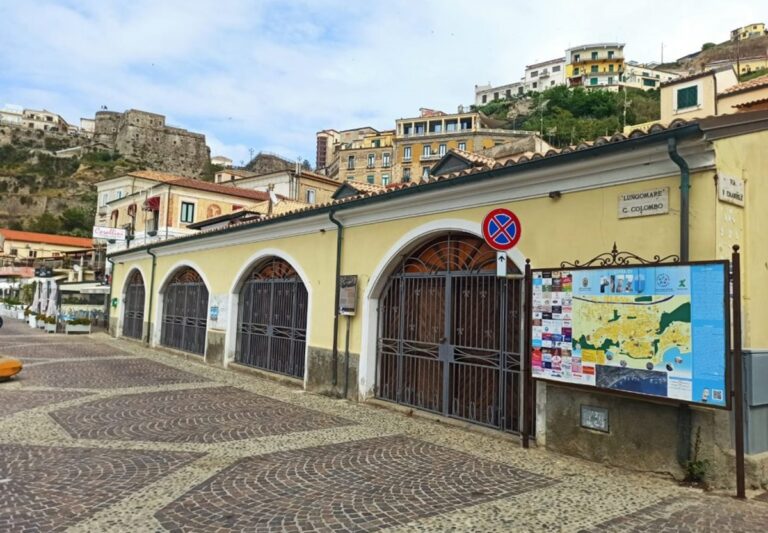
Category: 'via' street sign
[501,229]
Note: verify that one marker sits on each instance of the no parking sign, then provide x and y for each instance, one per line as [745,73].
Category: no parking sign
[501,229]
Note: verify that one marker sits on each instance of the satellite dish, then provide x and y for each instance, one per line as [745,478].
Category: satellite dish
[76,268]
[273,198]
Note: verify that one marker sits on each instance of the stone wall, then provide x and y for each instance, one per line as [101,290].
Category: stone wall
[146,138]
[266,163]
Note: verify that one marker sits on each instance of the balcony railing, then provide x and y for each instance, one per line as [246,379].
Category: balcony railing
[431,157]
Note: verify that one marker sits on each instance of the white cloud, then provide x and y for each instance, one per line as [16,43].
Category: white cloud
[267,75]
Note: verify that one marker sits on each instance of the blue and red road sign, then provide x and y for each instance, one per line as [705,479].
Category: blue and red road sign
[501,229]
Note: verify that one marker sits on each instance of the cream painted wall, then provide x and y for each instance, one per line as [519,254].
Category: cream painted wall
[577,226]
[746,157]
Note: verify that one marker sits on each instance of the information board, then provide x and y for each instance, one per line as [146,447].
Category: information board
[657,330]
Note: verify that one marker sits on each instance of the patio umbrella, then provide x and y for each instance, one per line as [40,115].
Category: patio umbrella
[52,309]
[36,299]
[44,296]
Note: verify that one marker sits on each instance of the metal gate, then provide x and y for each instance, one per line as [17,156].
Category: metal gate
[185,305]
[272,319]
[450,334]
[133,313]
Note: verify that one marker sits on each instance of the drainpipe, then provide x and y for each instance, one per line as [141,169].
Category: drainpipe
[684,415]
[339,238]
[151,294]
[685,191]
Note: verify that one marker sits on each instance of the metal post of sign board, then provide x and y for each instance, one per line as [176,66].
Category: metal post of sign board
[525,359]
[738,369]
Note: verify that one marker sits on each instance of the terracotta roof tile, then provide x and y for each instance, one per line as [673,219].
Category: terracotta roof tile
[756,83]
[228,190]
[47,238]
[155,175]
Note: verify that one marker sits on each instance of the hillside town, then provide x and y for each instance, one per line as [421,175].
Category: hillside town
[552,288]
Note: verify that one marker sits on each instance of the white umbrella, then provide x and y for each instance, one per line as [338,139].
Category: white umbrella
[36,299]
[44,296]
[52,309]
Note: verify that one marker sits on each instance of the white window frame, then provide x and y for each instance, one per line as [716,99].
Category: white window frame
[311,196]
[407,153]
[462,146]
[699,96]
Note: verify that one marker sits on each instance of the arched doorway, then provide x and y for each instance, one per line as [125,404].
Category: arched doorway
[133,306]
[272,319]
[450,334]
[185,306]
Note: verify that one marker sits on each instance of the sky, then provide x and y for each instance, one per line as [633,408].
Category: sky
[267,75]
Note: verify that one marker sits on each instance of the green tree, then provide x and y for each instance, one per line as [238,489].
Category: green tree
[77,221]
[45,223]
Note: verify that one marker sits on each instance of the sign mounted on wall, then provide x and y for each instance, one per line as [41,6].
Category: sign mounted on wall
[644,204]
[114,234]
[730,190]
[501,229]
[659,331]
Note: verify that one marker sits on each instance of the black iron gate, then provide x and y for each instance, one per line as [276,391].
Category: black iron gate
[272,319]
[450,334]
[133,312]
[185,306]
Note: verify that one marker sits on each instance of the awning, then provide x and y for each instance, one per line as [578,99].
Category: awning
[152,204]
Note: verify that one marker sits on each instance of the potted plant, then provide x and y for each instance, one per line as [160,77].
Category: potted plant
[78,325]
[49,324]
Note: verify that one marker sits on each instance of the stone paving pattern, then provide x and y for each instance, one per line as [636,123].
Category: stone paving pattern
[14,401]
[216,414]
[361,486]
[100,435]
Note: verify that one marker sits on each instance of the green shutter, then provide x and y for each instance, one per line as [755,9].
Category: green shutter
[687,97]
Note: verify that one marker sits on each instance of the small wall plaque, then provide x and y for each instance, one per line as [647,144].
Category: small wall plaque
[595,418]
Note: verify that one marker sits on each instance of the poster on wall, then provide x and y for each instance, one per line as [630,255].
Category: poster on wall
[656,330]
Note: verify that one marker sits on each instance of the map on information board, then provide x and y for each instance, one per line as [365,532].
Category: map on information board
[652,330]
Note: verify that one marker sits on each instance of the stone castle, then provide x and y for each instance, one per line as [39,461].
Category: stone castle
[145,137]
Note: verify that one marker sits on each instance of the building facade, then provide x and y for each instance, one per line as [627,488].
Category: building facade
[485,94]
[708,93]
[154,206]
[30,245]
[299,186]
[422,141]
[748,32]
[417,251]
[545,75]
[645,77]
[44,120]
[370,158]
[597,66]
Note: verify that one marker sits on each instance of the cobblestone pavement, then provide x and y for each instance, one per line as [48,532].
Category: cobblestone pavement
[98,434]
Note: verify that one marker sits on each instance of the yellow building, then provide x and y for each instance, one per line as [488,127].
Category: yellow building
[369,159]
[30,245]
[418,258]
[422,141]
[749,31]
[711,93]
[597,66]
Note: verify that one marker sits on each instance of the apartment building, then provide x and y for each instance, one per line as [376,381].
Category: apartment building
[645,77]
[298,185]
[43,120]
[369,159]
[545,75]
[749,31]
[485,94]
[598,66]
[420,142]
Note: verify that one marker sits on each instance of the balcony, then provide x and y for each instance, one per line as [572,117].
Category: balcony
[431,157]
[583,60]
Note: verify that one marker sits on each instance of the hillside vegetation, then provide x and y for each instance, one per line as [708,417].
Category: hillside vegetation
[567,116]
